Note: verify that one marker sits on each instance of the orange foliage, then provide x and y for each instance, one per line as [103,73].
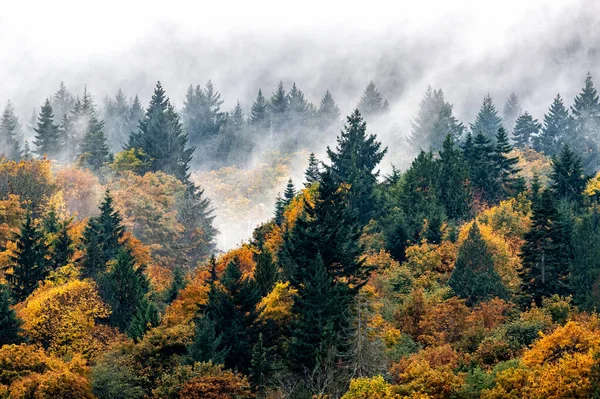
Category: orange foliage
[445,322]
[81,191]
[184,308]
[226,385]
[245,257]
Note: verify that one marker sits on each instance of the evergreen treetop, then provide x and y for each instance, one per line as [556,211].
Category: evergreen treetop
[487,121]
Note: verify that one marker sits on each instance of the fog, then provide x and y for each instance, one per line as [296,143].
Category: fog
[467,48]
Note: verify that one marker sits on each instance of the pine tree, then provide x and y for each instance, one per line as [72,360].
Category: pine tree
[261,365]
[434,122]
[62,247]
[110,226]
[585,267]
[289,193]
[11,135]
[265,272]
[567,180]
[487,122]
[279,210]
[525,131]
[161,137]
[94,260]
[298,108]
[47,139]
[62,102]
[136,114]
[124,288]
[512,110]
[259,113]
[480,157]
[28,265]
[206,346]
[328,115]
[10,325]
[145,317]
[278,108]
[586,125]
[178,283]
[557,128]
[94,148]
[505,166]
[312,172]
[354,161]
[455,191]
[116,117]
[474,277]
[545,253]
[371,103]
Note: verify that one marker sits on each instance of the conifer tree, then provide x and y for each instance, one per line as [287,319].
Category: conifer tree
[505,166]
[481,158]
[177,284]
[487,121]
[110,225]
[94,260]
[11,135]
[525,130]
[354,161]
[586,125]
[455,191]
[556,129]
[116,117]
[94,148]
[474,277]
[279,209]
[312,172]
[136,114]
[124,288]
[512,110]
[434,122]
[265,273]
[567,180]
[289,193]
[261,365]
[206,346]
[10,325]
[62,247]
[298,108]
[585,267]
[47,139]
[161,137]
[259,117]
[371,103]
[329,113]
[62,102]
[278,108]
[28,265]
[145,317]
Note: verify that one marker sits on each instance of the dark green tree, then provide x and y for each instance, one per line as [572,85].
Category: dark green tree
[145,317]
[512,110]
[62,248]
[62,102]
[454,187]
[312,172]
[11,135]
[289,193]
[278,108]
[206,346]
[567,180]
[371,103]
[265,273]
[262,365]
[354,161]
[329,113]
[94,147]
[110,226]
[481,159]
[505,166]
[585,135]
[584,276]
[487,121]
[10,325]
[474,277]
[279,210]
[177,284]
[525,130]
[47,138]
[259,114]
[556,129]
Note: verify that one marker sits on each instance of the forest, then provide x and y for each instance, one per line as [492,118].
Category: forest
[471,271]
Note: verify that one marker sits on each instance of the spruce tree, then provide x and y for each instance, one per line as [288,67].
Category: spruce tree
[354,161]
[474,277]
[505,166]
[289,193]
[110,227]
[62,102]
[567,180]
[161,137]
[10,325]
[116,117]
[481,158]
[278,108]
[28,265]
[262,365]
[265,273]
[525,130]
[11,135]
[47,138]
[371,103]
[585,267]
[512,110]
[312,172]
[329,113]
[94,260]
[556,129]
[62,247]
[455,193]
[279,210]
[259,113]
[487,121]
[206,346]
[136,114]
[298,109]
[434,122]
[145,317]
[94,148]
[177,284]
[585,136]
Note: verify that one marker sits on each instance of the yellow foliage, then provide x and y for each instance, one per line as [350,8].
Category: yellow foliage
[63,318]
[81,191]
[11,215]
[419,376]
[592,188]
[184,308]
[370,388]
[277,305]
[532,163]
[245,257]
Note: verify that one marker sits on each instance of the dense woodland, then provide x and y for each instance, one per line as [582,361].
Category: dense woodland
[473,273]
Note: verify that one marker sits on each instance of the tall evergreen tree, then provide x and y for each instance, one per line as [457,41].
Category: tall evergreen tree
[94,147]
[298,108]
[145,317]
[567,180]
[434,122]
[278,108]
[47,139]
[474,277]
[11,135]
[455,191]
[62,247]
[585,267]
[505,166]
[206,346]
[161,137]
[28,265]
[481,159]
[116,117]
[585,136]
[289,193]
[259,117]
[354,161]
[487,121]
[329,113]
[556,129]
[525,130]
[312,172]
[62,102]
[265,273]
[136,114]
[371,103]
[10,325]
[177,284]
[512,110]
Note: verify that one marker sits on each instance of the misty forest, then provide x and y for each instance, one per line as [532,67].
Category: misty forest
[300,243]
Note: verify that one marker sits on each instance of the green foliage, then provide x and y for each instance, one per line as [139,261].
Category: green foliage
[487,121]
[584,279]
[10,133]
[567,178]
[47,140]
[178,283]
[207,346]
[455,191]
[526,129]
[266,272]
[145,317]
[371,103]
[10,325]
[557,128]
[312,172]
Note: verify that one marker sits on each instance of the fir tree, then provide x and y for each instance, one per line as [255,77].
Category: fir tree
[47,139]
[177,284]
[110,226]
[261,365]
[11,135]
[371,103]
[512,110]
[279,210]
[567,180]
[145,317]
[298,108]
[312,172]
[259,113]
[289,193]
[525,131]
[94,260]
[116,117]
[505,166]
[206,346]
[586,125]
[94,148]
[329,113]
[354,161]
[136,114]
[278,108]
[585,267]
[265,273]
[487,122]
[455,191]
[62,102]
[557,128]
[434,122]
[62,247]
[28,265]
[474,277]
[480,157]
[161,137]
[10,325]
[124,288]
